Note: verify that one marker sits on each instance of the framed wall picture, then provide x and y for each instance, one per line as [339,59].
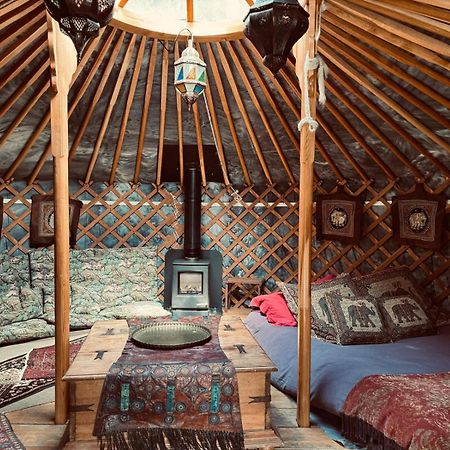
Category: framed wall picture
[339,216]
[418,218]
[42,227]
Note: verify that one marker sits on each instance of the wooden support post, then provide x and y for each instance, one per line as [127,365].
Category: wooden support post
[306,48]
[63,63]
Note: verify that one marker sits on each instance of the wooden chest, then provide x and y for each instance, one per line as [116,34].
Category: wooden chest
[105,343]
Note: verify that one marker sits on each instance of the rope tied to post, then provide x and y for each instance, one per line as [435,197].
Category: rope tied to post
[322,72]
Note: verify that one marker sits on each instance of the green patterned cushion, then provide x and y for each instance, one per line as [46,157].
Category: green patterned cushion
[19,304]
[14,270]
[25,331]
[405,316]
[357,319]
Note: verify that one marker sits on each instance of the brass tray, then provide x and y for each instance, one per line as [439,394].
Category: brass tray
[170,335]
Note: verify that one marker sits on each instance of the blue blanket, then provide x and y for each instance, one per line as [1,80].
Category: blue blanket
[335,369]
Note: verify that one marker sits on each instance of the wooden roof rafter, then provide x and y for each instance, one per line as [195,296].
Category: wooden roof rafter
[212,115]
[126,112]
[98,93]
[358,61]
[244,114]
[176,54]
[263,116]
[396,27]
[345,81]
[226,108]
[80,92]
[145,111]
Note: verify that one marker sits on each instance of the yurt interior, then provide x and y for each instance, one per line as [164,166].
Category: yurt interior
[224,224]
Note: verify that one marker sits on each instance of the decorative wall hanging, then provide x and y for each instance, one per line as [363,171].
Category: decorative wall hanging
[274,27]
[418,218]
[339,216]
[81,20]
[42,228]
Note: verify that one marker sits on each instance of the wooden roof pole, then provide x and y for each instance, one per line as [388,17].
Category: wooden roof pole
[306,48]
[63,63]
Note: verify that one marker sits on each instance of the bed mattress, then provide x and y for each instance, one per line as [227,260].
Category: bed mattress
[335,369]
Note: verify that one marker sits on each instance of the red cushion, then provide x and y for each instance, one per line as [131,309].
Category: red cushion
[275,308]
[324,279]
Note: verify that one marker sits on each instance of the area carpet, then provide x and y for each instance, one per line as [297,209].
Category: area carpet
[8,440]
[27,374]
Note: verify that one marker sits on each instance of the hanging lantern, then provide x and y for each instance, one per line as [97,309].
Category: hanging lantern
[81,20]
[274,26]
[190,74]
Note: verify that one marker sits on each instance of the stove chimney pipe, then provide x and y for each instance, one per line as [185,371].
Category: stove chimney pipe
[192,211]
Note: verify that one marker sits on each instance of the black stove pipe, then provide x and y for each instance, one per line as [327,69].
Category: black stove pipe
[192,211]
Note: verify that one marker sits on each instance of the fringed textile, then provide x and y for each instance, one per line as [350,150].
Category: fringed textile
[176,399]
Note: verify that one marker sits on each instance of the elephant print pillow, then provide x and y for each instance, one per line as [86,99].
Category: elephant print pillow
[405,316]
[357,319]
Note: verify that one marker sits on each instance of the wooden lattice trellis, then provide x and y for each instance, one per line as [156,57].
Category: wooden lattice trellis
[256,232]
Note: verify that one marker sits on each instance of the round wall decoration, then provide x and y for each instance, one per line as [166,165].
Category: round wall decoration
[338,218]
[418,220]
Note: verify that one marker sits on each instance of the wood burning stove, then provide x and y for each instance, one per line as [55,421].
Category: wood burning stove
[190,276]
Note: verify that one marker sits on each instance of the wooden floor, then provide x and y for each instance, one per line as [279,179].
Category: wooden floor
[35,427]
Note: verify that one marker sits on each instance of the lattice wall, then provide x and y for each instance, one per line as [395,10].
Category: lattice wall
[256,232]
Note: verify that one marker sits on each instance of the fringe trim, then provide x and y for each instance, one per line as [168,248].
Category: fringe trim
[172,439]
[361,432]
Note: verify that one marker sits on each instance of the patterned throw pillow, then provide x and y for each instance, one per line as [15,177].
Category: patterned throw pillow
[405,316]
[357,319]
[322,325]
[392,282]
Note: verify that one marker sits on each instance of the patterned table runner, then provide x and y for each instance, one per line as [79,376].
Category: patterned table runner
[396,412]
[172,399]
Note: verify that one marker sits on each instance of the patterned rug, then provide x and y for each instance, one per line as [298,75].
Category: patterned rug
[8,439]
[30,373]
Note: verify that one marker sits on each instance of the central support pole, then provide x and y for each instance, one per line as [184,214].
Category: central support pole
[305,49]
[63,63]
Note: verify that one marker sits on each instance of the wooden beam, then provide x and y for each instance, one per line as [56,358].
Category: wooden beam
[357,30]
[97,95]
[340,46]
[163,109]
[146,108]
[395,27]
[262,114]
[424,9]
[63,62]
[406,16]
[364,82]
[226,109]
[244,114]
[348,37]
[385,117]
[126,112]
[80,92]
[306,48]
[190,10]
[387,34]
[112,102]
[215,126]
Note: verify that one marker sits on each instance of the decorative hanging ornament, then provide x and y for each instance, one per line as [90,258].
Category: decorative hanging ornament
[274,26]
[190,74]
[81,20]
